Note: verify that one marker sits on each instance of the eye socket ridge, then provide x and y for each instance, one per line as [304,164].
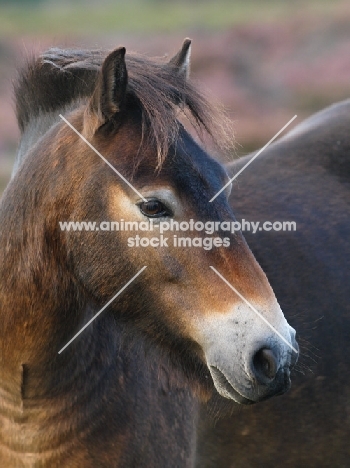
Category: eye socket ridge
[154,208]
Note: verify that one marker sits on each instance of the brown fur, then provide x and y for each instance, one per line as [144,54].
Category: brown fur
[304,177]
[125,393]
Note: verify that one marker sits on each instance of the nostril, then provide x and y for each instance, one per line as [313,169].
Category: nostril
[265,365]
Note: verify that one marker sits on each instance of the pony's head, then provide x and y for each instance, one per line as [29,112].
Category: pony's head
[131,118]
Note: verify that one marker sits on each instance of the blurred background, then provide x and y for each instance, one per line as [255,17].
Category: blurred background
[265,60]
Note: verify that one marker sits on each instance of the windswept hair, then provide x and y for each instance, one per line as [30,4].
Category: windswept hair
[58,79]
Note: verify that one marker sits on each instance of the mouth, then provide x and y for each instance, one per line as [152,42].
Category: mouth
[225,388]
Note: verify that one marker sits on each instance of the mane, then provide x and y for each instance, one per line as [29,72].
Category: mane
[59,78]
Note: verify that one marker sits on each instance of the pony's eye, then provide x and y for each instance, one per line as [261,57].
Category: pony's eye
[154,209]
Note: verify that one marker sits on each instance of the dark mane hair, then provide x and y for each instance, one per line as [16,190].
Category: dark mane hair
[59,78]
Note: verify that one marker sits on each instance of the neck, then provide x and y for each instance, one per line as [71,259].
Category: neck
[45,398]
[40,300]
[35,129]
[123,408]
[98,403]
[45,405]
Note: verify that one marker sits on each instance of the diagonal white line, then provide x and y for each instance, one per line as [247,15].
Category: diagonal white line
[251,160]
[103,158]
[103,308]
[254,309]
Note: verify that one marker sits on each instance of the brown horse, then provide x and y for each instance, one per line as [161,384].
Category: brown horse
[305,177]
[125,391]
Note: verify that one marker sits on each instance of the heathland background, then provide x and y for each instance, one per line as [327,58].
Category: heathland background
[265,60]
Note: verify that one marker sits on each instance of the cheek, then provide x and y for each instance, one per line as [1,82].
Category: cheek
[174,269]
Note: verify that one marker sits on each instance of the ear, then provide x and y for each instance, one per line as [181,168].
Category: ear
[181,61]
[110,91]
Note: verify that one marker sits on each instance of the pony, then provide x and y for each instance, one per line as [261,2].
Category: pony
[305,177]
[88,378]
